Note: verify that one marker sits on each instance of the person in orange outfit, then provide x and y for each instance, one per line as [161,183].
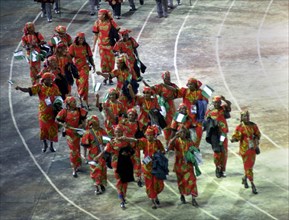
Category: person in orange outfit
[61,36]
[166,100]
[121,151]
[132,130]
[113,110]
[81,53]
[187,181]
[190,96]
[92,140]
[31,41]
[220,111]
[47,92]
[72,118]
[128,45]
[101,30]
[248,133]
[151,145]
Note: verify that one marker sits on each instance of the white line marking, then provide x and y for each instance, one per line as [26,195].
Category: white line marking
[223,77]
[24,142]
[203,210]
[146,21]
[260,56]
[177,41]
[145,211]
[241,198]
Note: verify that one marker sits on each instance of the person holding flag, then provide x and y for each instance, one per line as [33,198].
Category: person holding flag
[31,41]
[220,112]
[61,36]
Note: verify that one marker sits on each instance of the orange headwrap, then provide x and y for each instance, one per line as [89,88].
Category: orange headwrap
[119,127]
[194,81]
[80,34]
[28,25]
[92,119]
[124,31]
[71,101]
[152,130]
[133,110]
[147,89]
[60,29]
[47,75]
[107,12]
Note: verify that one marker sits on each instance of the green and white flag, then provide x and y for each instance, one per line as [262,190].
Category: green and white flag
[19,55]
[105,139]
[96,87]
[34,56]
[105,98]
[181,118]
[55,40]
[207,91]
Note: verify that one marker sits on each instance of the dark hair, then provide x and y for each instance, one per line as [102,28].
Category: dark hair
[77,41]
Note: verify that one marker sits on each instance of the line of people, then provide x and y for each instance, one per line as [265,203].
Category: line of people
[127,131]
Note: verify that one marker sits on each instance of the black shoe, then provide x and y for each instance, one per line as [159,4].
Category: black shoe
[141,2]
[218,172]
[74,174]
[254,190]
[157,201]
[183,199]
[122,205]
[104,81]
[245,183]
[102,187]
[194,203]
[97,192]
[139,183]
[223,174]
[51,147]
[110,82]
[132,9]
[45,146]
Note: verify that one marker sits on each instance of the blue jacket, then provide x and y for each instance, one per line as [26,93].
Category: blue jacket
[160,166]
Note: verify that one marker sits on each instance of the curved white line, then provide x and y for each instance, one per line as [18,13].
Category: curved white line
[203,210]
[256,171]
[24,142]
[223,77]
[177,41]
[145,211]
[146,21]
[260,56]
[241,198]
[227,87]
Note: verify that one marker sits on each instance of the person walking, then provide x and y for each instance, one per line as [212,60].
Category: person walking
[248,134]
[92,140]
[81,53]
[102,29]
[72,118]
[166,100]
[31,41]
[220,112]
[93,4]
[150,146]
[47,92]
[186,177]
[122,152]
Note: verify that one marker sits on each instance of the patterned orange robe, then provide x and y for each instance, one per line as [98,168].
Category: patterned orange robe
[145,107]
[32,39]
[169,96]
[187,181]
[106,54]
[153,185]
[80,54]
[130,131]
[245,134]
[189,98]
[97,173]
[46,116]
[114,147]
[220,159]
[72,119]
